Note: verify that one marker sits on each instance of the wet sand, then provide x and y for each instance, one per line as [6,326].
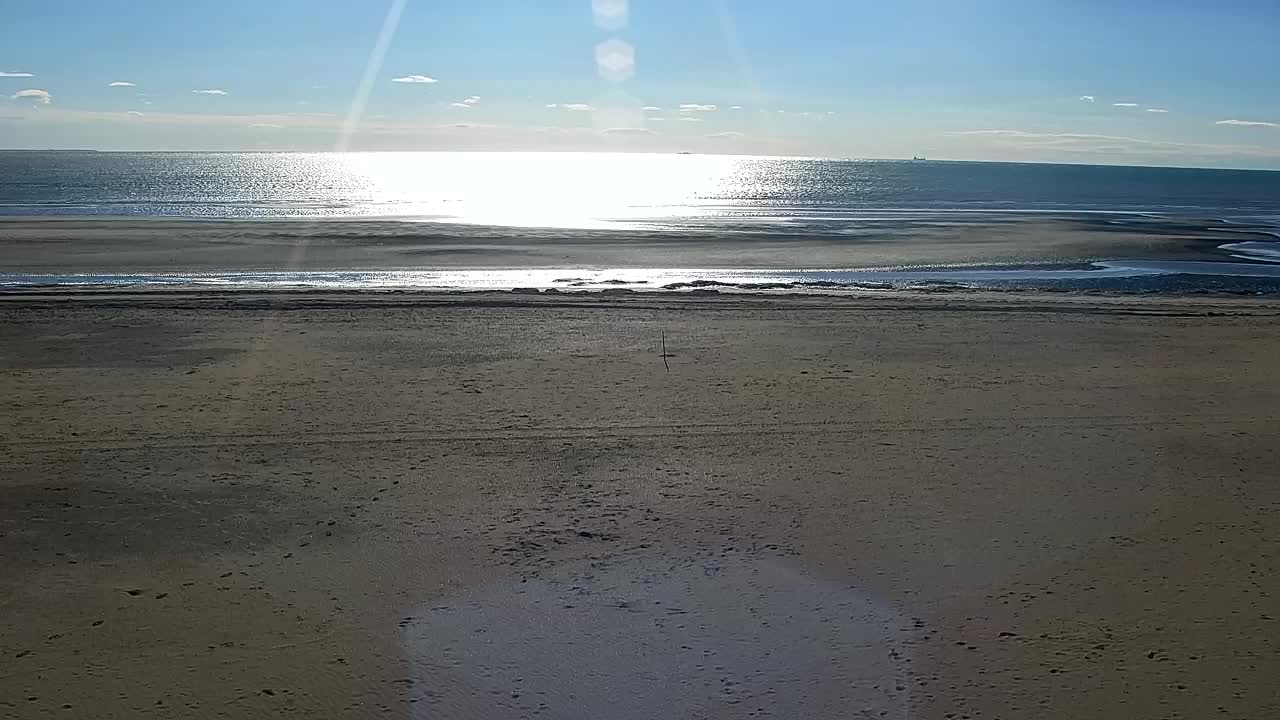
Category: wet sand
[53,245]
[501,506]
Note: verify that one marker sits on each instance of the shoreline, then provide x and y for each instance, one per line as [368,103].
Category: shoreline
[302,299]
[1061,252]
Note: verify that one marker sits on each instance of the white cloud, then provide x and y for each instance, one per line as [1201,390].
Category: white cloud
[7,73]
[121,83]
[460,105]
[271,126]
[1157,110]
[1247,123]
[210,92]
[623,132]
[1024,134]
[695,107]
[40,96]
[1124,104]
[651,108]
[735,107]
[1088,98]
[421,79]
[202,119]
[691,119]
[577,107]
[728,135]
[135,113]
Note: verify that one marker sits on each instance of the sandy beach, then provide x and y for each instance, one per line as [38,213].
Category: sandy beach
[503,506]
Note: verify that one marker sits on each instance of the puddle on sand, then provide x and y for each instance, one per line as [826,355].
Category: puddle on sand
[712,637]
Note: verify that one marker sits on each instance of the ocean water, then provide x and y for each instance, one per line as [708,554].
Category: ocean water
[546,198]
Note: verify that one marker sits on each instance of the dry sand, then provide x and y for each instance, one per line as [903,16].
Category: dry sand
[499,506]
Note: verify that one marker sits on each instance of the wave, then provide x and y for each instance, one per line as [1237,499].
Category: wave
[1100,275]
[1256,250]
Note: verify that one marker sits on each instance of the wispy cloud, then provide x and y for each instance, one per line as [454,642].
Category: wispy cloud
[1126,104]
[213,91]
[266,125]
[10,73]
[626,131]
[1025,134]
[1248,123]
[134,113]
[691,119]
[651,108]
[577,107]
[1157,110]
[421,79]
[735,107]
[1089,143]
[1088,98]
[121,83]
[727,135]
[466,104]
[40,96]
[695,107]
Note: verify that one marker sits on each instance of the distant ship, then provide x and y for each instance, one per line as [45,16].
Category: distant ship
[919,159]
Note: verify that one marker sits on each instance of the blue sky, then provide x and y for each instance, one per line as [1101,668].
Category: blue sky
[1128,81]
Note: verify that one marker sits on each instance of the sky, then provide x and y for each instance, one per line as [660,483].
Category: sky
[1136,82]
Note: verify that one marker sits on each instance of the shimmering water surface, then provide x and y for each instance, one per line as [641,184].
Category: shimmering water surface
[573,189]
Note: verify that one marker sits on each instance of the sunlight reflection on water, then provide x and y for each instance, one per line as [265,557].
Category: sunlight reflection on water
[583,190]
[531,190]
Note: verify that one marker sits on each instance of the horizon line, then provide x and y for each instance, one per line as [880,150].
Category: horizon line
[831,158]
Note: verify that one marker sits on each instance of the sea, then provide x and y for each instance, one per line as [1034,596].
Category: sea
[1230,219]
